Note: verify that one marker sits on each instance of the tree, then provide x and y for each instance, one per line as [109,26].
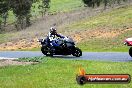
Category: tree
[21,9]
[89,3]
[105,3]
[4,7]
[92,3]
[0,24]
[44,6]
[98,2]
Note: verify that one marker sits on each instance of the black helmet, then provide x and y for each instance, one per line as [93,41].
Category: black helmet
[53,30]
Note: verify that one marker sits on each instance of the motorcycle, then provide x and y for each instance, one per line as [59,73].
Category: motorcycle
[66,47]
[128,42]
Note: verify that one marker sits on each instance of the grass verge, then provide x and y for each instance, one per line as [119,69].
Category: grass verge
[59,73]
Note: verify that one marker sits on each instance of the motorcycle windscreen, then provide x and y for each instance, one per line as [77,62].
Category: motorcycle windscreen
[70,40]
[69,44]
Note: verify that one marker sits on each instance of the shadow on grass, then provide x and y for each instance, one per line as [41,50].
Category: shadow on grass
[65,56]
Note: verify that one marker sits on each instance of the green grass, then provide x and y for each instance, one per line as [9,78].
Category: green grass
[60,73]
[60,6]
[65,5]
[117,18]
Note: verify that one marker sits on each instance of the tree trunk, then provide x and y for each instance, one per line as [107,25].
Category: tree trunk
[28,23]
[105,4]
[20,23]
[5,18]
[0,27]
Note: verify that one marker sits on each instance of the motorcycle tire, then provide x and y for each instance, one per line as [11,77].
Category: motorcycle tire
[130,51]
[45,52]
[77,52]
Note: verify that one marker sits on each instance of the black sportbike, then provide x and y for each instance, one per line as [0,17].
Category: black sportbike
[67,47]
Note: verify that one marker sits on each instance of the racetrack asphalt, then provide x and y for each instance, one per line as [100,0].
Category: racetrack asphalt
[99,56]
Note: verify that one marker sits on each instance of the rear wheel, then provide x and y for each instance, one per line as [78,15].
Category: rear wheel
[130,51]
[77,52]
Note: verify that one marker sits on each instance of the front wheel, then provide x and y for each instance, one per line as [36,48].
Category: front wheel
[77,52]
[45,51]
[130,51]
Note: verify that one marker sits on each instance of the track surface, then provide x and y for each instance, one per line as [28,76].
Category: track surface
[102,56]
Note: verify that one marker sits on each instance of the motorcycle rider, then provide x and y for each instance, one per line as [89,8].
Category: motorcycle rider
[52,38]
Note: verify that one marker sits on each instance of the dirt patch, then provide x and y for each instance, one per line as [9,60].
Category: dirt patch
[97,33]
[21,44]
[77,36]
[8,62]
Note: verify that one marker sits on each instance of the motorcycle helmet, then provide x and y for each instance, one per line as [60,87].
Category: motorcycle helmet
[53,30]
